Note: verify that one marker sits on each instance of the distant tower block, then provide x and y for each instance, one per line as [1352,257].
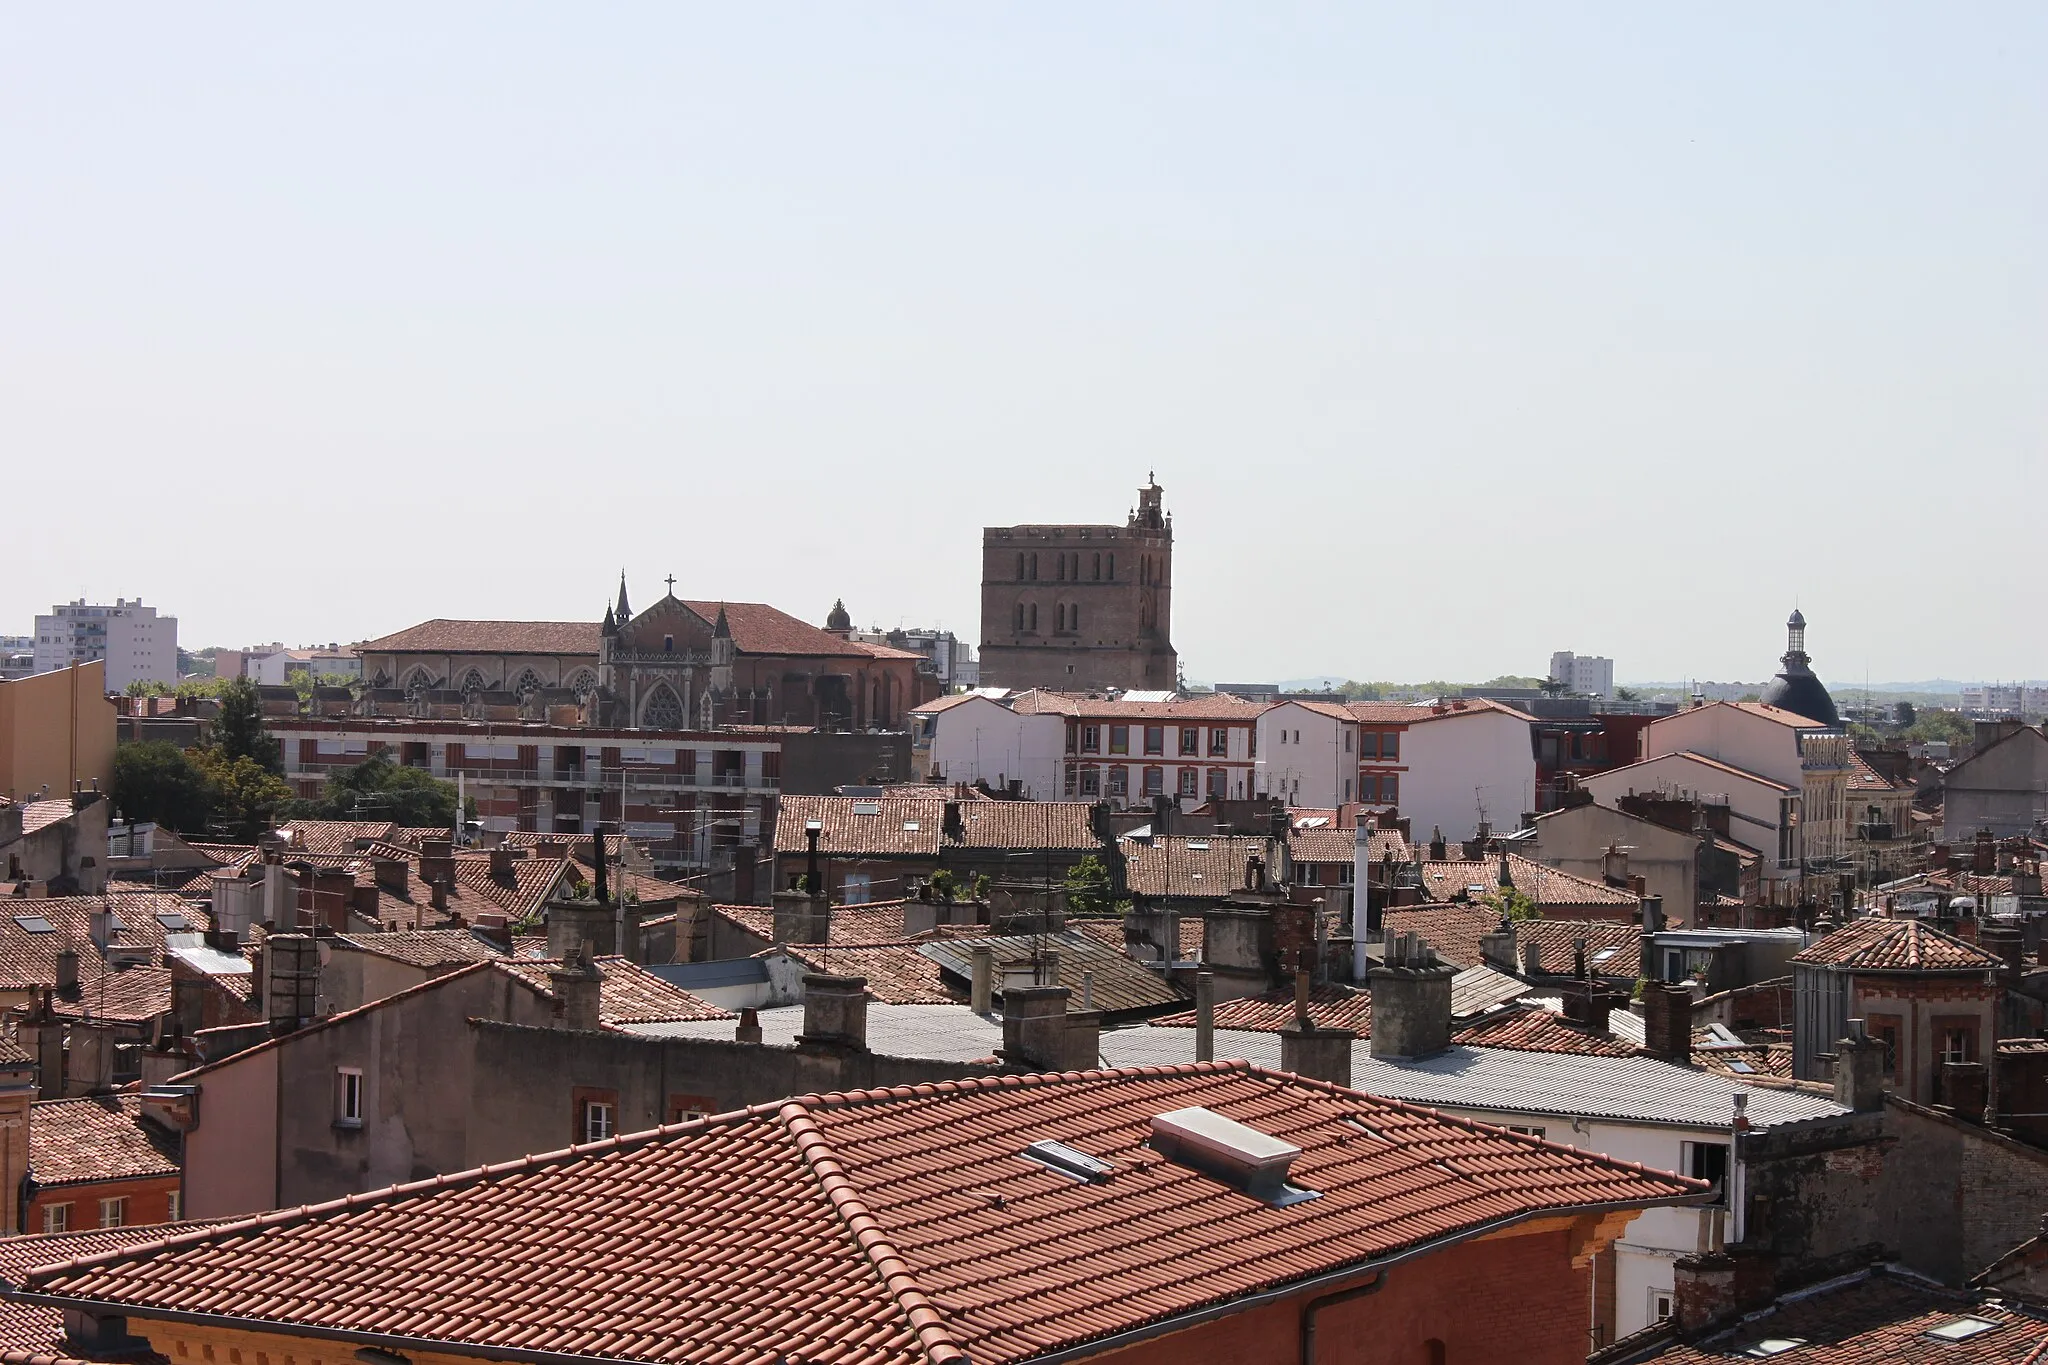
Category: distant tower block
[1080,607]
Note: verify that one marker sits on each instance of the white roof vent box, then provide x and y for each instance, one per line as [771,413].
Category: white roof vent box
[1235,1153]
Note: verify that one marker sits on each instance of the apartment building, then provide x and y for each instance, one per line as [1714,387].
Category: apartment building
[137,644]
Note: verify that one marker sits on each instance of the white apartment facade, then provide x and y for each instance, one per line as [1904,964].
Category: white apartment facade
[1586,674]
[972,738]
[1467,762]
[137,644]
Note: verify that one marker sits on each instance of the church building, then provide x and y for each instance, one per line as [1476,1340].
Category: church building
[678,665]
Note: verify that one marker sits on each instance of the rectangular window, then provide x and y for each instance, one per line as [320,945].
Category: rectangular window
[1660,1304]
[1190,782]
[1957,1036]
[1067,783]
[1091,739]
[1347,741]
[57,1218]
[1390,789]
[1119,781]
[1708,1161]
[113,1213]
[1073,737]
[1091,781]
[685,1108]
[1119,739]
[1311,875]
[1347,789]
[1219,743]
[1390,746]
[174,1206]
[1886,1029]
[1155,781]
[1155,739]
[598,1120]
[1190,740]
[1219,784]
[348,1097]
[1525,1131]
[856,888]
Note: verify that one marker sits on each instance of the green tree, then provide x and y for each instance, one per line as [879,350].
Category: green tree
[1903,715]
[378,789]
[238,729]
[1510,904]
[156,781]
[1089,888]
[1627,694]
[1952,726]
[243,796]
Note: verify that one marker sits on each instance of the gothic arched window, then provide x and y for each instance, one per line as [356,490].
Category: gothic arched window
[663,711]
[529,681]
[582,682]
[473,681]
[419,683]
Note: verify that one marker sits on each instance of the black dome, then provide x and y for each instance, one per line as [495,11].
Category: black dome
[838,618]
[1799,691]
[1796,689]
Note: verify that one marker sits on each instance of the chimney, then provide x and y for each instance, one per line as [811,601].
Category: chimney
[91,1071]
[1205,1016]
[1986,854]
[1437,847]
[67,971]
[1714,1286]
[1035,1028]
[437,896]
[1614,866]
[835,1011]
[2010,945]
[1498,950]
[41,1035]
[1588,1004]
[501,861]
[579,993]
[981,997]
[437,860]
[801,918]
[1667,1021]
[1859,1070]
[1532,958]
[1411,1001]
[1321,1054]
[749,1030]
[743,859]
[393,874]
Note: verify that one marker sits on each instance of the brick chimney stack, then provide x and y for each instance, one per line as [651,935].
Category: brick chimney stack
[1667,1021]
[1411,1001]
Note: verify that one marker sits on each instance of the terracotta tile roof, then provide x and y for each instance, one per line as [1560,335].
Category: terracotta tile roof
[333,838]
[1451,708]
[1110,933]
[1765,711]
[1062,826]
[1111,980]
[948,702]
[33,1334]
[768,1232]
[1547,886]
[13,1053]
[1329,845]
[850,926]
[1455,930]
[519,891]
[885,651]
[758,628]
[72,1142]
[1864,778]
[862,826]
[1691,756]
[1191,710]
[28,957]
[427,948]
[233,856]
[1878,1319]
[444,636]
[1384,712]
[1177,866]
[1761,1059]
[1331,1006]
[40,815]
[1875,944]
[131,995]
[630,994]
[1531,1028]
[897,973]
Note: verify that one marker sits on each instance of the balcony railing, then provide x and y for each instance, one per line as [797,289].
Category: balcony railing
[607,778]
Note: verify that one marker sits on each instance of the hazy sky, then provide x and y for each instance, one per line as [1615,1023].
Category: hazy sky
[1457,334]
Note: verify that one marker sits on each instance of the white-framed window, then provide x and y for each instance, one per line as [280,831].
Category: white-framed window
[113,1212]
[600,1120]
[56,1218]
[1660,1304]
[1708,1161]
[1525,1130]
[175,1206]
[857,888]
[348,1096]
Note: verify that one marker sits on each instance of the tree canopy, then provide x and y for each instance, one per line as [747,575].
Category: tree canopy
[378,789]
[238,729]
[155,781]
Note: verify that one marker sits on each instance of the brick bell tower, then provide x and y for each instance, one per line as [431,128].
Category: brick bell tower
[1081,608]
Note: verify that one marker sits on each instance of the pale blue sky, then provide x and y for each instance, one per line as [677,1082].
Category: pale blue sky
[1613,328]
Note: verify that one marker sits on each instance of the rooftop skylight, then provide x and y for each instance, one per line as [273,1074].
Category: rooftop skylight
[1774,1346]
[1070,1161]
[1961,1329]
[35,924]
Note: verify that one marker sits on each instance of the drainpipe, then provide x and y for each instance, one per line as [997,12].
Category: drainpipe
[1317,1305]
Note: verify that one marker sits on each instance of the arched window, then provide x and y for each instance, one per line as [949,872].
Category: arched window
[1020,617]
[419,683]
[1034,616]
[472,681]
[1020,566]
[1112,566]
[1061,572]
[662,711]
[582,682]
[529,681]
[1034,566]
[1074,617]
[1098,565]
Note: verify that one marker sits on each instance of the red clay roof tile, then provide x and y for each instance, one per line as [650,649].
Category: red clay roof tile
[99,1137]
[1876,944]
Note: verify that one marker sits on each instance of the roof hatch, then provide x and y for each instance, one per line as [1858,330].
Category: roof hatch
[1070,1161]
[1237,1154]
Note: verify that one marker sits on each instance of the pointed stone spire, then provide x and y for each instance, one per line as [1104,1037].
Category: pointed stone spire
[625,611]
[721,629]
[611,625]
